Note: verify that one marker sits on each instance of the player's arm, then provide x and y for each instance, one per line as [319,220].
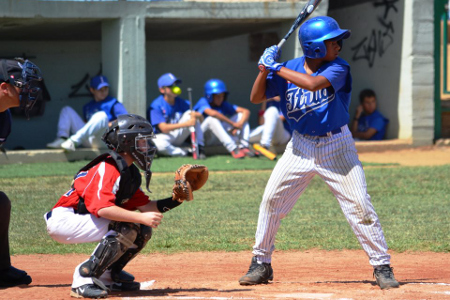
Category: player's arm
[304,81]
[168,127]
[116,213]
[365,135]
[245,116]
[218,115]
[258,93]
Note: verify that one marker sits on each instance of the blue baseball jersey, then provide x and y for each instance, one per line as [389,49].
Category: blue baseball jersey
[111,106]
[226,108]
[162,112]
[314,113]
[5,125]
[374,120]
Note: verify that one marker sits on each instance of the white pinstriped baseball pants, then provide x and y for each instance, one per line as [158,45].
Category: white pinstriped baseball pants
[335,160]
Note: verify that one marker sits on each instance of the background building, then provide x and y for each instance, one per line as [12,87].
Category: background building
[393,50]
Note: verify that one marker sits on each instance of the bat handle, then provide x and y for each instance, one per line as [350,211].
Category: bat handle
[281,43]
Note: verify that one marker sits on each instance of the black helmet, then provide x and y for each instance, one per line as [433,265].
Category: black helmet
[25,75]
[132,134]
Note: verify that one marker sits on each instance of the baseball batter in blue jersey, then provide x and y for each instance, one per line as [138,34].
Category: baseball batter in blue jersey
[172,119]
[315,92]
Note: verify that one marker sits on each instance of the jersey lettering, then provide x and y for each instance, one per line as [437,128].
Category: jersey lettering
[300,102]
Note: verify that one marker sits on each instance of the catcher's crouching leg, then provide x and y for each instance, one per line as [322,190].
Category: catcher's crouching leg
[110,249]
[117,273]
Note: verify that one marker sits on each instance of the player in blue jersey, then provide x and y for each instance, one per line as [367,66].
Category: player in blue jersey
[171,117]
[368,124]
[315,92]
[19,87]
[225,123]
[74,131]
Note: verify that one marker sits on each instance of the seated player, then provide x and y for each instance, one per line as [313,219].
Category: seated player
[225,123]
[368,124]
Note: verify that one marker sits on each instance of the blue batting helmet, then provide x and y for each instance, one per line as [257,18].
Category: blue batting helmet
[215,86]
[315,31]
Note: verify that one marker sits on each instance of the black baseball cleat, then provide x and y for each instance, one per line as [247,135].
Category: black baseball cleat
[385,277]
[257,273]
[11,277]
[125,286]
[121,276]
[89,291]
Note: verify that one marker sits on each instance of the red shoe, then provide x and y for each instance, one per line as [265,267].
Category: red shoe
[238,153]
[248,152]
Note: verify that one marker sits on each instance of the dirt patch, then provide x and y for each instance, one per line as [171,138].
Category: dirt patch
[421,156]
[214,275]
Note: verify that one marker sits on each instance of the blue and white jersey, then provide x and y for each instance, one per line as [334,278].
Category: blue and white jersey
[5,125]
[374,120]
[314,113]
[162,112]
[226,108]
[111,106]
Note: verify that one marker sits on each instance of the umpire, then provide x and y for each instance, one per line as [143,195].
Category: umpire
[19,87]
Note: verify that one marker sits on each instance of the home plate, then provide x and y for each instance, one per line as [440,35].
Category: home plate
[146,285]
[305,296]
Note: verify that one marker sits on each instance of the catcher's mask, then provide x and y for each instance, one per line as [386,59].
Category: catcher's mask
[133,134]
[26,76]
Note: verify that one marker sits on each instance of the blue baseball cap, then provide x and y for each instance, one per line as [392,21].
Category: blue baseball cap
[167,80]
[98,82]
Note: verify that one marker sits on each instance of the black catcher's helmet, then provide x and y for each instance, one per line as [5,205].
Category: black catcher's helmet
[133,134]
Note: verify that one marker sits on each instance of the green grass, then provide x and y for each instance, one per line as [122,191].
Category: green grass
[413,204]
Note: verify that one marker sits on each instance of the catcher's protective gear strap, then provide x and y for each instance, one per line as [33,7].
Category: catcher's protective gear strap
[110,249]
[167,204]
[130,179]
[143,237]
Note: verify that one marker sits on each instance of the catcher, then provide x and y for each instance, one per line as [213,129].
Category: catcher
[102,202]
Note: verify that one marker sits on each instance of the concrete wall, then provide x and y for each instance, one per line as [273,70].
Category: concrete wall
[374,52]
[391,51]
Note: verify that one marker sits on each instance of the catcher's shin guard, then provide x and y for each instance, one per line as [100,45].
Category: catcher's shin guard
[110,249]
[144,235]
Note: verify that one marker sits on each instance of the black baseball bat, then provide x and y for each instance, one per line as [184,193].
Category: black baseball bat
[307,10]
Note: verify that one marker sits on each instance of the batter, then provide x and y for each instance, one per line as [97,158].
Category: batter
[315,92]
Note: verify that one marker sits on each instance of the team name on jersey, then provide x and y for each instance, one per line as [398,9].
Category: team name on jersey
[300,102]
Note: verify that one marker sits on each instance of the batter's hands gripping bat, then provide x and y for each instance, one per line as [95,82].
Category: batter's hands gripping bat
[307,10]
[192,130]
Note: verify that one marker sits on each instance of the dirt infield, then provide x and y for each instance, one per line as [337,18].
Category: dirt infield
[312,274]
[213,275]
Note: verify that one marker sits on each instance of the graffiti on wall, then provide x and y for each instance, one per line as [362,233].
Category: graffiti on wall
[77,88]
[379,39]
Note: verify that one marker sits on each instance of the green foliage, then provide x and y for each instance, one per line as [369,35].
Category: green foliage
[413,204]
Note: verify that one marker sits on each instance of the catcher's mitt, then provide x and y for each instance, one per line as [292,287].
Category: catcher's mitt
[188,178]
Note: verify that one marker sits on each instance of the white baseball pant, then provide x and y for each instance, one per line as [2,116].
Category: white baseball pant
[88,134]
[335,160]
[219,133]
[272,131]
[67,227]
[168,143]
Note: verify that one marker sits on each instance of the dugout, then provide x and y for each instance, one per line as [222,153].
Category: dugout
[134,42]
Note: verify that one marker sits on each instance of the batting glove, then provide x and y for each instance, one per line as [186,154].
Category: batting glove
[268,59]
